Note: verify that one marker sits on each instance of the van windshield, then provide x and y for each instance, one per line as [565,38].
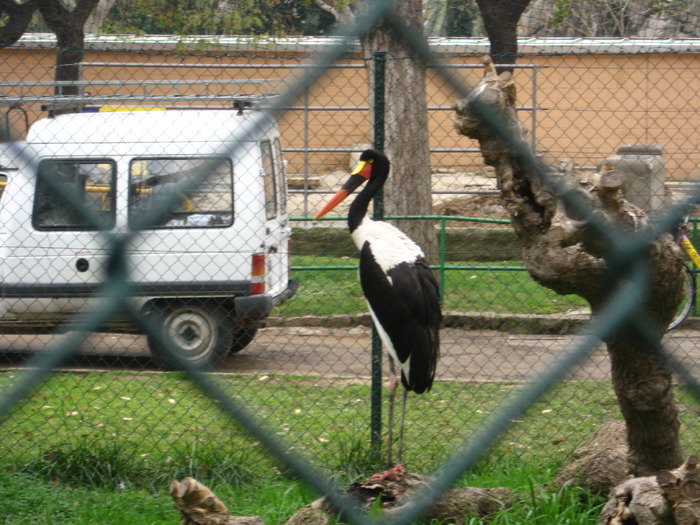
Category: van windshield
[74,194]
[180,192]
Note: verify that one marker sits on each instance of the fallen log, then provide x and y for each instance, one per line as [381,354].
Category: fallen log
[393,496]
[600,464]
[198,505]
[671,497]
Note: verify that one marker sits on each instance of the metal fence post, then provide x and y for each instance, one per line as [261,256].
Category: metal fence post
[379,59]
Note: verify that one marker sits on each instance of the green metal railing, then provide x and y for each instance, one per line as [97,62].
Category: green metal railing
[442,267]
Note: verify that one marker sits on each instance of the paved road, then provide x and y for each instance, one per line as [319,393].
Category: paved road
[345,352]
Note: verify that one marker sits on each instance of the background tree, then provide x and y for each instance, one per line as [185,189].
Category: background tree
[408,189]
[501,23]
[69,28]
[66,23]
[452,18]
[223,17]
[16,16]
[94,22]
[612,18]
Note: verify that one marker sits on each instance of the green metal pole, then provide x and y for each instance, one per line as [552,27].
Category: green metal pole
[379,60]
[443,248]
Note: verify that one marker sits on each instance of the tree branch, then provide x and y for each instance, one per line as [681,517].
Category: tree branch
[328,9]
[18,18]
[64,23]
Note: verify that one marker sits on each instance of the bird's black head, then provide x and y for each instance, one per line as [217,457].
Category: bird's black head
[373,164]
[373,167]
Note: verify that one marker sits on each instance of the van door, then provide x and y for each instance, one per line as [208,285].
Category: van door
[58,262]
[277,219]
[185,247]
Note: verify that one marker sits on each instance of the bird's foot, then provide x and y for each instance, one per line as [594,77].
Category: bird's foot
[392,474]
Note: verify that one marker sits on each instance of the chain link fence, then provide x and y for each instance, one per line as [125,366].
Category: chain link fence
[138,244]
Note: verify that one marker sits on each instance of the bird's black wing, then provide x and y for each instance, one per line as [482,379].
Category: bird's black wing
[405,300]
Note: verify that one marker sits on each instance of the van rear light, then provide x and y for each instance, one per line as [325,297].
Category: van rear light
[257,274]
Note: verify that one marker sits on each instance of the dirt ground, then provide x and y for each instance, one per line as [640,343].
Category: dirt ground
[463,204]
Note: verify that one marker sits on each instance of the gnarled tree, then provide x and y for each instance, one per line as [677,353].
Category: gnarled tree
[564,253]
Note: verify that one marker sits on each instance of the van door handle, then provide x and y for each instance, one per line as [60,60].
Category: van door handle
[82,265]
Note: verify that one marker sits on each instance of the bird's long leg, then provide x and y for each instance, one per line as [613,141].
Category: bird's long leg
[392,471]
[403,418]
[393,383]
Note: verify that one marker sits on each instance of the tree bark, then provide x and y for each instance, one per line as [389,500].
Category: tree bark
[501,23]
[408,190]
[70,39]
[562,253]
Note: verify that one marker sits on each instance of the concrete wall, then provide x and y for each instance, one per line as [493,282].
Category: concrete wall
[589,104]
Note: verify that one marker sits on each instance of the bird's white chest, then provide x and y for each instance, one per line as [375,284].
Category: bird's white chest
[390,246]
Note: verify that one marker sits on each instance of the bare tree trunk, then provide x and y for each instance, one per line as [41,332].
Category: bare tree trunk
[66,24]
[562,254]
[408,190]
[501,24]
[70,39]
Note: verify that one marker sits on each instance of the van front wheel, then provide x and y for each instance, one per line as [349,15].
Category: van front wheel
[201,333]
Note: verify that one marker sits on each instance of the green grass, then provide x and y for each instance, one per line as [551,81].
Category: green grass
[468,287]
[103,447]
[163,423]
[28,499]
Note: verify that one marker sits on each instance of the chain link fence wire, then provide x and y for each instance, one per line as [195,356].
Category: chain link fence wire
[139,245]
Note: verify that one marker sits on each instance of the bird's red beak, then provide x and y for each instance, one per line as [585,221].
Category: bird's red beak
[339,197]
[360,174]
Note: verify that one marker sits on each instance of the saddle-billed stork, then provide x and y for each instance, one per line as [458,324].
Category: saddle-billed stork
[400,289]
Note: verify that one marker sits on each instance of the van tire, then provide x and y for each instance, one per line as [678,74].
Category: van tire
[243,338]
[200,331]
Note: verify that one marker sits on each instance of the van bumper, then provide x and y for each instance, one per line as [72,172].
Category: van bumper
[256,307]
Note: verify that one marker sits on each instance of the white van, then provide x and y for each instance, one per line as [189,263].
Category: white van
[207,269]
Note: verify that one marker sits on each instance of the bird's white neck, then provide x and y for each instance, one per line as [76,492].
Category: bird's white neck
[389,245]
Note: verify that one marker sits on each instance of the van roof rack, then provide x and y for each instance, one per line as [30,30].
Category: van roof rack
[75,96]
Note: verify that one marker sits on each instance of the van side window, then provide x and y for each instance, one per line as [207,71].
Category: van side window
[87,183]
[281,176]
[156,181]
[268,162]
